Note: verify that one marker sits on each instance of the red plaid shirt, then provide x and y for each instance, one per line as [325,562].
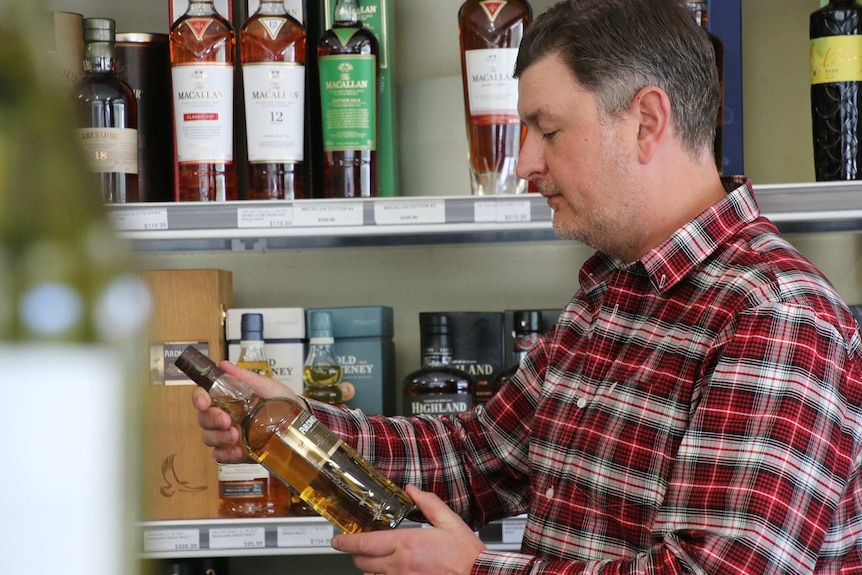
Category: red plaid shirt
[697,411]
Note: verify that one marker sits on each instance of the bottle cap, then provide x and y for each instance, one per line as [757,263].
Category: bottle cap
[320,325]
[200,369]
[99,30]
[251,326]
[527,321]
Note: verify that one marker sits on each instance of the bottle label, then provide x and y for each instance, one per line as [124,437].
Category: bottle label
[348,86]
[272,26]
[492,90]
[203,112]
[443,404]
[311,439]
[492,8]
[274,109]
[836,59]
[242,480]
[110,150]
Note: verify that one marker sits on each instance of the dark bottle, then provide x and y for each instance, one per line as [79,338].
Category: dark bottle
[836,73]
[701,15]
[349,101]
[526,333]
[272,48]
[107,116]
[437,388]
[288,440]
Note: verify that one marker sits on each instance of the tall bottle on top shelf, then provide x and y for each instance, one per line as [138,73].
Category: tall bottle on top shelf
[107,116]
[286,438]
[202,44]
[272,49]
[836,76]
[701,15]
[490,33]
[348,66]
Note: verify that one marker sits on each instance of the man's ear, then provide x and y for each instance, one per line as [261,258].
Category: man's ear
[651,108]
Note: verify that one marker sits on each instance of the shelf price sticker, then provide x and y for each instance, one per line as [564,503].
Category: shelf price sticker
[237,538]
[161,540]
[304,535]
[513,530]
[265,217]
[397,212]
[313,214]
[143,219]
[501,211]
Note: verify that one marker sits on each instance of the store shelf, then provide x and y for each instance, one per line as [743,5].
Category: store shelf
[277,536]
[262,225]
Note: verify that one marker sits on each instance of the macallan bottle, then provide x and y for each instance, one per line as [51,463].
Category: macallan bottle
[248,489]
[288,440]
[272,49]
[490,33]
[836,76]
[348,66]
[202,47]
[526,334]
[107,116]
[437,388]
[699,8]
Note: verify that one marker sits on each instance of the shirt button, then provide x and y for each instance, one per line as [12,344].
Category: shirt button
[582,403]
[549,493]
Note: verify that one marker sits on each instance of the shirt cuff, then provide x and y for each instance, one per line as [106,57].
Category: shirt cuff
[502,563]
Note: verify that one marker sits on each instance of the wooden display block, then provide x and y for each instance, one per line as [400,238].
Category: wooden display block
[179,476]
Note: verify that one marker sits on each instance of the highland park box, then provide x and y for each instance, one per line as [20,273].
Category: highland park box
[179,478]
[365,349]
[283,332]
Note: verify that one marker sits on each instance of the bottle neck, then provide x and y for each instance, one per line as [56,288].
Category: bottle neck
[436,357]
[346,13]
[99,57]
[269,8]
[700,14]
[251,350]
[201,8]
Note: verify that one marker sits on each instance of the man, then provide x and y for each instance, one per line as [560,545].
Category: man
[697,407]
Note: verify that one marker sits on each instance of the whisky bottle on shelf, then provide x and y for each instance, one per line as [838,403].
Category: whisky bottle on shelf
[836,77]
[437,388]
[701,15]
[248,489]
[288,440]
[272,50]
[107,116]
[202,45]
[349,102]
[490,33]
[526,334]
[322,372]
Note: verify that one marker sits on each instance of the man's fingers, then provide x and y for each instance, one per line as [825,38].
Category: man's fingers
[261,385]
[432,507]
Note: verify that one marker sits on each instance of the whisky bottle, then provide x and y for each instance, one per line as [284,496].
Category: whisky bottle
[836,77]
[288,440]
[526,334]
[248,489]
[322,372]
[349,102]
[107,116]
[202,45]
[490,33]
[272,51]
[437,388]
[701,15]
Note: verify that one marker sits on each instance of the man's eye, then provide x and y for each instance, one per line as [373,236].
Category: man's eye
[549,135]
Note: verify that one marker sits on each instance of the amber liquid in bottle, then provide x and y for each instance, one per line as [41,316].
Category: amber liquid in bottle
[490,33]
[272,48]
[202,45]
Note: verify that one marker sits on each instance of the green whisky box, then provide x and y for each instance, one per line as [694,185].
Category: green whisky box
[365,349]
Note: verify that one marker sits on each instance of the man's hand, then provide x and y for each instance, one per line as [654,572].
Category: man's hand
[450,548]
[217,428]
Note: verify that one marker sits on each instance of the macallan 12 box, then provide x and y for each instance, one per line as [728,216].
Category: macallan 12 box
[283,332]
[364,348]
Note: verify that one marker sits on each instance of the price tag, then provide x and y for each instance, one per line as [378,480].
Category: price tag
[410,212]
[144,219]
[266,217]
[501,211]
[172,540]
[513,530]
[308,214]
[238,538]
[305,535]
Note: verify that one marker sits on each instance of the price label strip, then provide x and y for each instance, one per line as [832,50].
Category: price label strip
[161,540]
[136,220]
[265,217]
[513,530]
[397,212]
[314,214]
[237,538]
[501,211]
[304,535]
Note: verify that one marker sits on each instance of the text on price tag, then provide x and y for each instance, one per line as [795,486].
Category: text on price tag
[238,538]
[162,540]
[410,212]
[501,211]
[267,217]
[513,530]
[312,214]
[305,535]
[144,219]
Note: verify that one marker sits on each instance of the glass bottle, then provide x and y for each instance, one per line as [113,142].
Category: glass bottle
[437,388]
[287,439]
[490,33]
[835,55]
[107,115]
[272,49]
[322,372]
[202,44]
[701,15]
[248,489]
[527,332]
[348,67]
